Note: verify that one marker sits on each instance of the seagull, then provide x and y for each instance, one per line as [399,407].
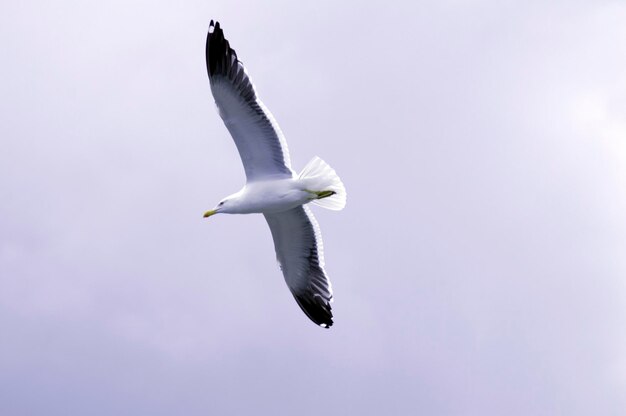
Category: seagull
[272,188]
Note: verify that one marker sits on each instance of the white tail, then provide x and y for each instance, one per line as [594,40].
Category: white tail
[318,176]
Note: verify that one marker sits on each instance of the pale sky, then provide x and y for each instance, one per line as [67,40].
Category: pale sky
[478,269]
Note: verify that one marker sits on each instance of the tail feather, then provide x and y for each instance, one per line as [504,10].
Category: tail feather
[318,176]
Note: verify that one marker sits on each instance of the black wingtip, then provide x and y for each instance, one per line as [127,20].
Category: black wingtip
[213,26]
[217,49]
[317,309]
[222,63]
[219,55]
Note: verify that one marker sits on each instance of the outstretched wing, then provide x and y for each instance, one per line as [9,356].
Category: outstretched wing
[260,142]
[299,252]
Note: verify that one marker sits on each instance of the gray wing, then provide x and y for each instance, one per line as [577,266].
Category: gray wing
[299,252]
[260,142]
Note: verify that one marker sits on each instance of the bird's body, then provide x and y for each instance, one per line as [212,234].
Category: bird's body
[272,188]
[267,197]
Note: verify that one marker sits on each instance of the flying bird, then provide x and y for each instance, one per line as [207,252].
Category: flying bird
[272,188]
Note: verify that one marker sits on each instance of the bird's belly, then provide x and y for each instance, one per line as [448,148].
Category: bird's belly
[275,200]
[286,202]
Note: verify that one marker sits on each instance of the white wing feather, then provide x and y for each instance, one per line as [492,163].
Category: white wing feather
[299,251]
[260,142]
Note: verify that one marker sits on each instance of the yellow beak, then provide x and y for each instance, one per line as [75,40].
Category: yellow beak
[209,213]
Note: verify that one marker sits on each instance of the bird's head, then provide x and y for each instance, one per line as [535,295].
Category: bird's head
[223,206]
[229,205]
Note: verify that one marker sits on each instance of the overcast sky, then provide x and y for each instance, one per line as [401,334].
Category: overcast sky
[479,267]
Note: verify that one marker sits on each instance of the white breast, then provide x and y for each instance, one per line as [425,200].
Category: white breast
[272,196]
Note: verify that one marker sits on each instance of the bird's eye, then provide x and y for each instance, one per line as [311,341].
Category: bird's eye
[220,204]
